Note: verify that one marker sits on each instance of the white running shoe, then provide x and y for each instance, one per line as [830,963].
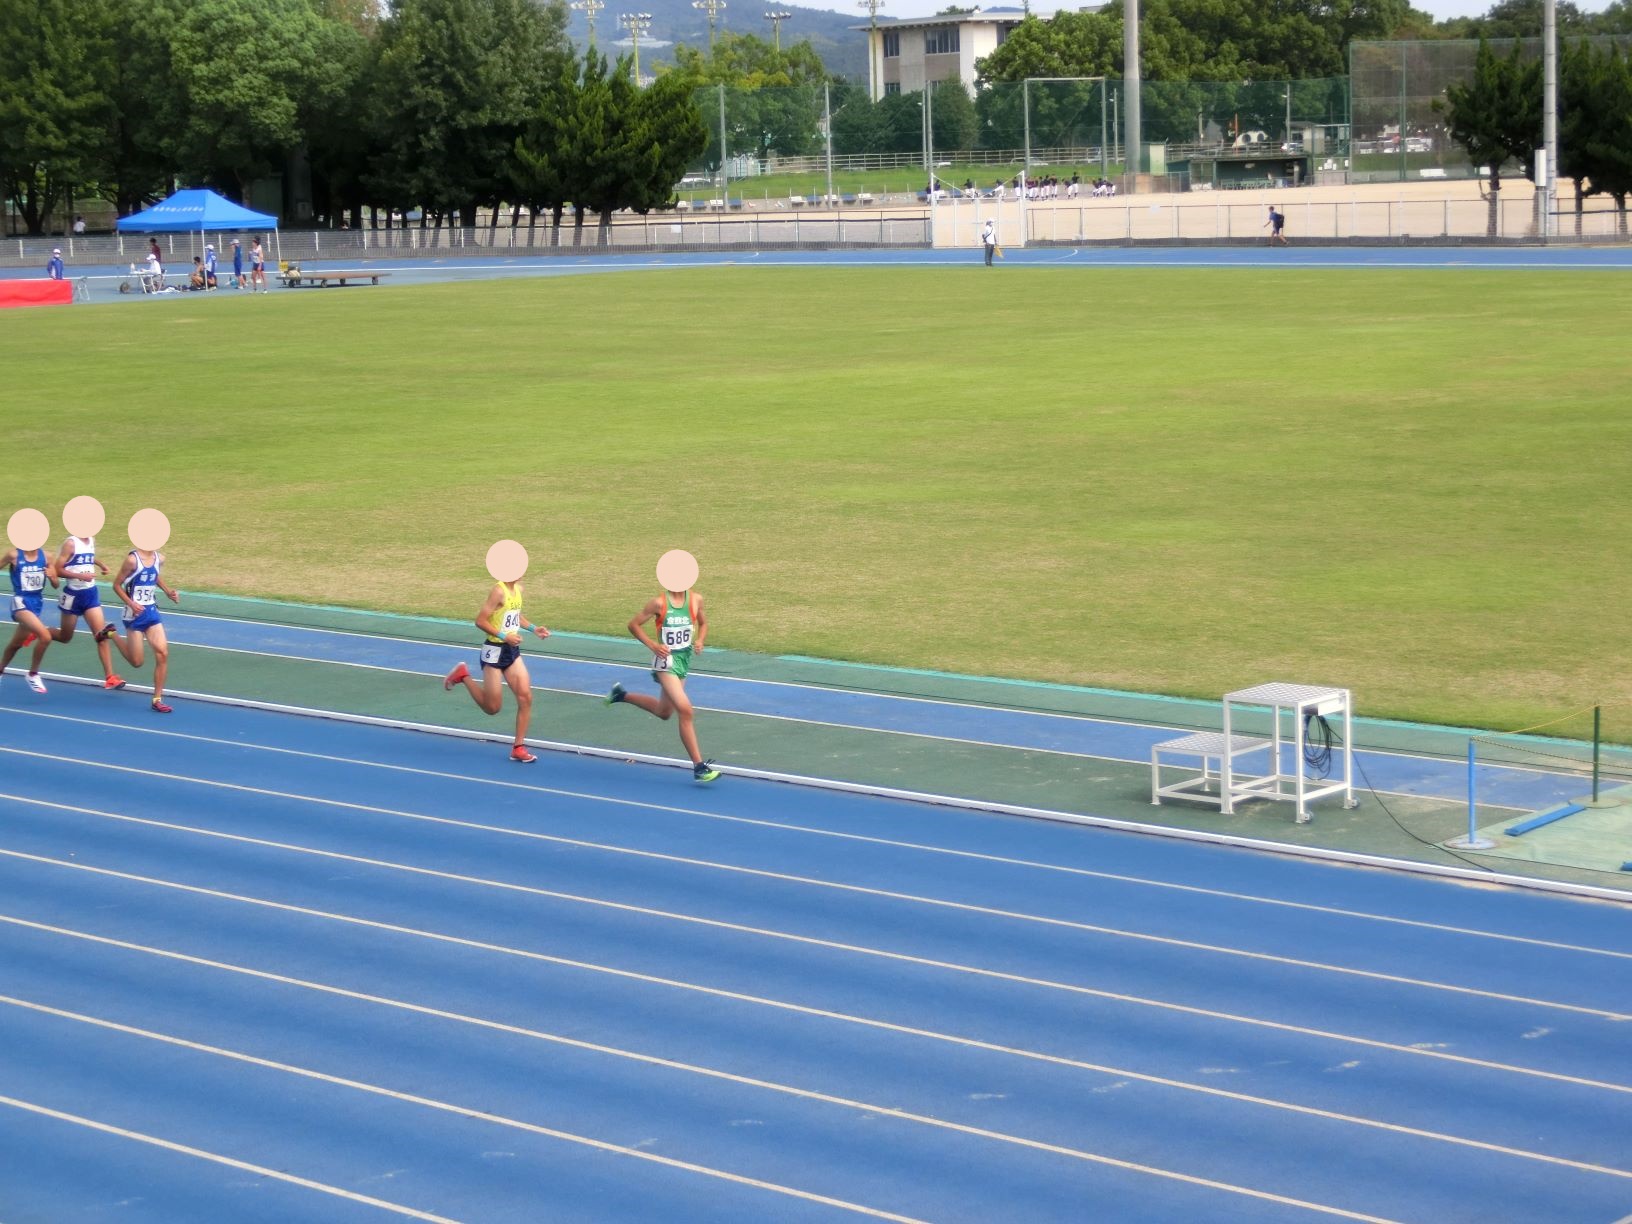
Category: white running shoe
[35,683]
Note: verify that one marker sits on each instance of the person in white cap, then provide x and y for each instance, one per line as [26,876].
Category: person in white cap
[53,266]
[237,264]
[209,265]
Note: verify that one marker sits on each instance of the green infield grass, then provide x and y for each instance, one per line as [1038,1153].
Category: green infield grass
[1412,483]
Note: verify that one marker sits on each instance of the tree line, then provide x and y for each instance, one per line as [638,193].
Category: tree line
[1496,116]
[448,106]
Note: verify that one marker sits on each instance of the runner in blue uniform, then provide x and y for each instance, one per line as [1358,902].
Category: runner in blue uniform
[136,583]
[29,574]
[77,565]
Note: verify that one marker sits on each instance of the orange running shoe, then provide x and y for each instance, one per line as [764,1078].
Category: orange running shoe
[113,682]
[457,676]
[521,756]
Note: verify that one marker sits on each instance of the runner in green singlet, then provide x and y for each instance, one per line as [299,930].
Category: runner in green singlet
[681,627]
[501,620]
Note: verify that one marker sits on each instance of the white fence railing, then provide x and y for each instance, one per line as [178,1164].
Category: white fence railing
[1222,219]
[1200,217]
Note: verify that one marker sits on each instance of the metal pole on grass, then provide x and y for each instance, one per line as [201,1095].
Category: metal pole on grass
[1597,711]
[929,134]
[1549,115]
[827,130]
[1104,153]
[1025,108]
[1131,81]
[723,158]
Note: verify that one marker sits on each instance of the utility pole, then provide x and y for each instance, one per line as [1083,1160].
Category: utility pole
[776,18]
[873,85]
[712,8]
[589,8]
[637,24]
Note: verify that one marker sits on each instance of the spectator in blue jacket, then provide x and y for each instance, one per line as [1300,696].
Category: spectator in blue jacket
[53,266]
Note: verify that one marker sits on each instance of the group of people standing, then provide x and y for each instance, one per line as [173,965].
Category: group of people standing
[204,276]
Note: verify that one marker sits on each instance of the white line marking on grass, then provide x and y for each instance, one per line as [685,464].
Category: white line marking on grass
[215,1157]
[978,856]
[962,907]
[1416,1050]
[867,1022]
[458,1110]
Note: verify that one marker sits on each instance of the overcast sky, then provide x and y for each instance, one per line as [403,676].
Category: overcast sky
[1439,9]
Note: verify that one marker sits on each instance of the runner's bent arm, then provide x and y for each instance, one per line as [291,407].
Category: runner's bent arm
[701,622]
[125,571]
[488,620]
[652,609]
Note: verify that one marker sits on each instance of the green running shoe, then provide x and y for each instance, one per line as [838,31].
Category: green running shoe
[704,771]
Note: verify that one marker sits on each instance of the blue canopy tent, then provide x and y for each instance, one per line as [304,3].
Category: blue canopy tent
[200,210]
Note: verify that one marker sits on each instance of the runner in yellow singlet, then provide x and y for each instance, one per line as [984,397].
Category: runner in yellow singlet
[501,620]
[681,628]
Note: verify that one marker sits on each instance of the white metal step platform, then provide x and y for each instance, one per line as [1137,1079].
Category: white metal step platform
[1208,746]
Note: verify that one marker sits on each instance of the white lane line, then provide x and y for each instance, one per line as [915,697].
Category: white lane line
[1420,1051]
[862,1021]
[216,1158]
[1036,1145]
[478,1115]
[866,839]
[962,907]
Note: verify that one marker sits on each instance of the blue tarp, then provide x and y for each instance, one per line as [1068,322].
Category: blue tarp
[194,209]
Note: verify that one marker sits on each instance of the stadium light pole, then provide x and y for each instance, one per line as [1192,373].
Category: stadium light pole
[1130,78]
[589,8]
[872,7]
[776,17]
[1549,114]
[712,8]
[637,24]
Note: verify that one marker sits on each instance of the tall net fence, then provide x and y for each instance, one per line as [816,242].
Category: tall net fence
[1400,127]
[791,146]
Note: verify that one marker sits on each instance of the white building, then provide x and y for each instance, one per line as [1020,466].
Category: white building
[903,54]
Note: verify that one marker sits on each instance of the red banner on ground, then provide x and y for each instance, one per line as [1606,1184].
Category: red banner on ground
[36,293]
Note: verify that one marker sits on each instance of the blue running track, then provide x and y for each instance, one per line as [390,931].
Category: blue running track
[257,967]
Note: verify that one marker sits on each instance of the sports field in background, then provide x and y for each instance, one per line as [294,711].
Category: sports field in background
[1411,483]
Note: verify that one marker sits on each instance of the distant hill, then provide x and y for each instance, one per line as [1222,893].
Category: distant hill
[842,49]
